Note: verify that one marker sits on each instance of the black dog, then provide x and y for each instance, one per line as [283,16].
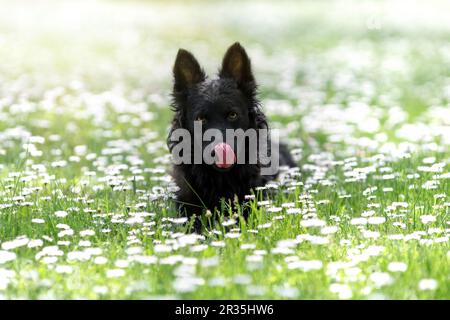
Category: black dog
[228,102]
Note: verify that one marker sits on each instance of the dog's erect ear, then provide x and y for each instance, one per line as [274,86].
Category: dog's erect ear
[186,71]
[236,65]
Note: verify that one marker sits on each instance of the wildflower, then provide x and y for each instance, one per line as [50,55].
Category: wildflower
[374,250]
[61,214]
[100,260]
[428,284]
[229,222]
[218,244]
[306,265]
[294,211]
[342,290]
[376,220]
[120,263]
[358,221]
[232,235]
[247,246]
[84,243]
[274,209]
[87,233]
[426,219]
[397,267]
[6,256]
[78,256]
[100,290]
[265,225]
[329,230]
[312,223]
[381,279]
[19,242]
[134,250]
[162,248]
[35,243]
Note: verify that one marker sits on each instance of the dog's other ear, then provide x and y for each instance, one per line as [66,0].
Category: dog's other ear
[236,65]
[186,71]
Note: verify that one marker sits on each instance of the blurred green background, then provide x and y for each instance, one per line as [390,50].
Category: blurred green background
[359,89]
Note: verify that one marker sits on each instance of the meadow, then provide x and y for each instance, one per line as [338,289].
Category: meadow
[360,91]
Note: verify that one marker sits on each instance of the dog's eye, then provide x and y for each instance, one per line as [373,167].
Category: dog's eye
[200,118]
[232,115]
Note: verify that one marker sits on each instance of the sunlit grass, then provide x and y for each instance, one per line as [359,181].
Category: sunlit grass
[86,206]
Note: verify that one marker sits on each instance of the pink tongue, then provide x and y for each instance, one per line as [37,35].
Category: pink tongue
[224,155]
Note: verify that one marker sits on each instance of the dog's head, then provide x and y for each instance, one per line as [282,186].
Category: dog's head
[226,102]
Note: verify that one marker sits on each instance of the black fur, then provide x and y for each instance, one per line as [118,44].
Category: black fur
[202,186]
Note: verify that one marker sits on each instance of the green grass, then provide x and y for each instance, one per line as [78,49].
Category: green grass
[365,111]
